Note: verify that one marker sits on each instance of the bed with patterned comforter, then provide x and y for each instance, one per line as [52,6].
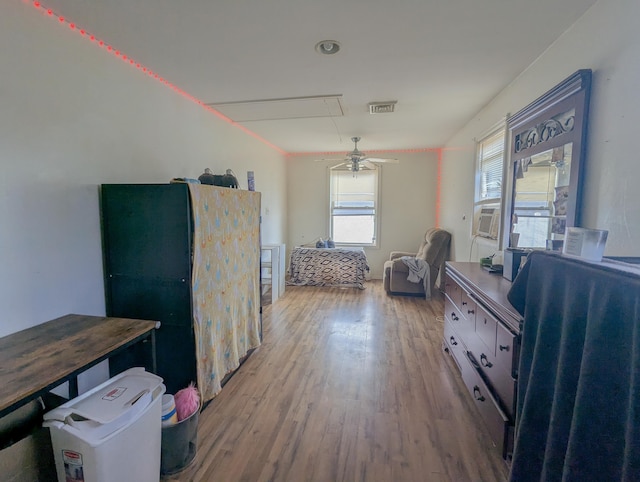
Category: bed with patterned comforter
[328,267]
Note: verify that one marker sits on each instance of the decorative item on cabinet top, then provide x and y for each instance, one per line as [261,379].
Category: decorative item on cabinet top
[225,180]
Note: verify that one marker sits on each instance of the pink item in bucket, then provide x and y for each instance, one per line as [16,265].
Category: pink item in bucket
[187,401]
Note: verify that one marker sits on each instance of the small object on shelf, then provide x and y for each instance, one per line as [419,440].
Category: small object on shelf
[513,261]
[320,243]
[186,180]
[493,268]
[229,180]
[169,413]
[329,243]
[207,177]
[488,261]
[585,243]
[223,180]
[251,182]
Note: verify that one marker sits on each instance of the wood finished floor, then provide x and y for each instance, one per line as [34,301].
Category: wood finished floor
[348,385]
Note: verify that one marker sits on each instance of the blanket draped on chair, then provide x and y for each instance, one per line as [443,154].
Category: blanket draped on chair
[418,272]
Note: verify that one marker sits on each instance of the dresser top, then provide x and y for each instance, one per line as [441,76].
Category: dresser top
[489,288]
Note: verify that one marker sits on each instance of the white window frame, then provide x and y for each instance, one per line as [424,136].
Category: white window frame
[491,154]
[376,170]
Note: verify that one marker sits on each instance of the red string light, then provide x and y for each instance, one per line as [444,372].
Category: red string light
[155,76]
[439,188]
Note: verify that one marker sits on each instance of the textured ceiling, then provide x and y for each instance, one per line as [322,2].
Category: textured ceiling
[441,60]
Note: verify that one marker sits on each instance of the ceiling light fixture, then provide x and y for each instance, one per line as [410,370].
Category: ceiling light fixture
[327,47]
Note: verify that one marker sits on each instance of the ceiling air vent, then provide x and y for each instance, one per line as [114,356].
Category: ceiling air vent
[382,107]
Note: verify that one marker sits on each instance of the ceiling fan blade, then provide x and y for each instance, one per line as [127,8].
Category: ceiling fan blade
[340,165]
[332,160]
[381,160]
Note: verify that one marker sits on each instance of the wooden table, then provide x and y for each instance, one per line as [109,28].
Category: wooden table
[36,360]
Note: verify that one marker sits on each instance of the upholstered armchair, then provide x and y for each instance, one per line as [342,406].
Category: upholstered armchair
[434,250]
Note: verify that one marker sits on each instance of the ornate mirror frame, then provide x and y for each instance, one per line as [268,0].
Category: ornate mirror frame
[554,120]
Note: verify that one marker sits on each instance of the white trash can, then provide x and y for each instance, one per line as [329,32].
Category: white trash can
[110,433]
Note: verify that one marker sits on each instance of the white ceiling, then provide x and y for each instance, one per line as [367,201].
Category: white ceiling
[441,60]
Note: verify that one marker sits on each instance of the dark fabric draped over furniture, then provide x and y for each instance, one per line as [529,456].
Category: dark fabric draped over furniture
[578,410]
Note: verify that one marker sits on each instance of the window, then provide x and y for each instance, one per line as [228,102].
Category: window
[354,206]
[490,164]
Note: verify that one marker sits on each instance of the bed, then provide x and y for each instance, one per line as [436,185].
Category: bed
[328,267]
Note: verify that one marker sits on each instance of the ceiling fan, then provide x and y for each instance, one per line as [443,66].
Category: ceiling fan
[357,160]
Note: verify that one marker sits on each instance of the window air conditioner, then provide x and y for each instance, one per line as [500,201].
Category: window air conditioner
[488,223]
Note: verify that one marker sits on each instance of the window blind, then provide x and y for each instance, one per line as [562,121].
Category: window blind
[490,163]
[353,206]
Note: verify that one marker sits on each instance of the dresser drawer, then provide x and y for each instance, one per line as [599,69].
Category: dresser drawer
[468,306]
[495,419]
[452,289]
[451,311]
[499,379]
[463,325]
[453,342]
[486,328]
[507,350]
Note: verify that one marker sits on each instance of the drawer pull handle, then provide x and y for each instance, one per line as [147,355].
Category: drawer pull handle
[504,347]
[470,312]
[473,360]
[454,317]
[485,362]
[453,341]
[477,394]
[464,303]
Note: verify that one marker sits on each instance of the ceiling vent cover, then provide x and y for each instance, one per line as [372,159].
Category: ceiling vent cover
[382,107]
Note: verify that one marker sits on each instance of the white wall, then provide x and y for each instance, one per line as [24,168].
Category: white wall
[72,117]
[607,40]
[407,203]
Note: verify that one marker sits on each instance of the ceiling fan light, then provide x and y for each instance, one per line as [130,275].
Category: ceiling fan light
[327,47]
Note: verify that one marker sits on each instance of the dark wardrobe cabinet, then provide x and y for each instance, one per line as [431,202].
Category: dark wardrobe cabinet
[147,240]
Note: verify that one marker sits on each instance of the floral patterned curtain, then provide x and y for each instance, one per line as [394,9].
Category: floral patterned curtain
[226,280]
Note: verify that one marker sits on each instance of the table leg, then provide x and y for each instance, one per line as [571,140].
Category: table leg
[154,363]
[73,387]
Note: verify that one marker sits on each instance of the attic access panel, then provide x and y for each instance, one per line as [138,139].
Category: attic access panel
[285,108]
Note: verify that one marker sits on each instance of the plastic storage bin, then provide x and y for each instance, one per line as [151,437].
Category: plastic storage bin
[112,432]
